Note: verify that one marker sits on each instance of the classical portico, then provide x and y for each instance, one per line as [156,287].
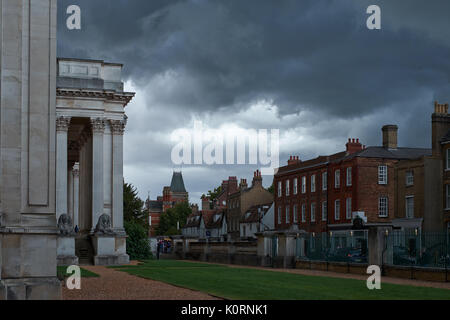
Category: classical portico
[90,124]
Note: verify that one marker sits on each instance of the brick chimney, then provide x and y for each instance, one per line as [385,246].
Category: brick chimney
[232,185]
[243,184]
[390,133]
[293,160]
[206,203]
[353,146]
[440,125]
[257,179]
[194,208]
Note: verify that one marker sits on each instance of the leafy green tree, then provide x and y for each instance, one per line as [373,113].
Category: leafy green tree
[133,206]
[172,217]
[136,224]
[271,189]
[138,246]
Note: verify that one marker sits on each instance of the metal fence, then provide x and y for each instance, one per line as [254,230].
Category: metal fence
[415,248]
[342,246]
[402,248]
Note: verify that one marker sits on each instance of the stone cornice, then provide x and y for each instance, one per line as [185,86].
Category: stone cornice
[109,95]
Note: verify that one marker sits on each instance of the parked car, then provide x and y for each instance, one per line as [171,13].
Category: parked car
[402,257]
[354,255]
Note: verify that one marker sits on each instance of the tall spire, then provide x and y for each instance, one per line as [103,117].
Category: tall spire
[177,184]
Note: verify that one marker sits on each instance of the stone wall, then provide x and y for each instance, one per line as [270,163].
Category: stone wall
[414,273]
[240,253]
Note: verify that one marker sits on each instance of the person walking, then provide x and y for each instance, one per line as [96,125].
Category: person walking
[158,249]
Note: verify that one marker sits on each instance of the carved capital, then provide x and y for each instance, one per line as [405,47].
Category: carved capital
[117,126]
[98,125]
[76,169]
[62,124]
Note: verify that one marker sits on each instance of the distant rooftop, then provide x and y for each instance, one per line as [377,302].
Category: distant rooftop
[89,74]
[177,184]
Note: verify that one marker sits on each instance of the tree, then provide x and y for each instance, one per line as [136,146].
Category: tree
[173,217]
[213,195]
[136,224]
[133,206]
[271,189]
[138,246]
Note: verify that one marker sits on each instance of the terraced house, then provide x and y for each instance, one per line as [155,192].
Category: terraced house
[327,193]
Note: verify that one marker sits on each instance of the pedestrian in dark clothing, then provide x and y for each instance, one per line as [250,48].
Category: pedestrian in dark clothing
[158,249]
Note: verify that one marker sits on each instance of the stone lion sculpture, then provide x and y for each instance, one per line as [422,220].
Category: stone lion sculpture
[104,225]
[65,225]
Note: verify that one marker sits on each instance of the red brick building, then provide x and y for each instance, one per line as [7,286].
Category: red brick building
[325,193]
[172,195]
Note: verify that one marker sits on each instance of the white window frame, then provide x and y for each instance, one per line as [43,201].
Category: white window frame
[295,186]
[349,176]
[280,189]
[383,175]
[313,183]
[337,210]
[304,184]
[447,159]
[313,212]
[295,213]
[409,177]
[287,215]
[303,213]
[348,208]
[279,215]
[337,179]
[383,207]
[324,210]
[324,181]
[288,191]
[408,214]
[447,189]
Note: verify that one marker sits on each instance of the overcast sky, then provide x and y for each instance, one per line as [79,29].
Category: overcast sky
[309,68]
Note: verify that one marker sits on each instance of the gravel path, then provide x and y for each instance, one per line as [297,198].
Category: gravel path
[117,285]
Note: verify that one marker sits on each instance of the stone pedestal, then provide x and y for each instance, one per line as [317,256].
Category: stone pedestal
[110,250]
[29,270]
[66,251]
[380,250]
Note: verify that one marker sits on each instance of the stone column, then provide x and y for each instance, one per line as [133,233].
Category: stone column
[62,127]
[70,193]
[76,193]
[117,129]
[98,128]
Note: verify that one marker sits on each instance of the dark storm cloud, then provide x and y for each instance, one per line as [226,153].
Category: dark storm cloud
[216,58]
[302,54]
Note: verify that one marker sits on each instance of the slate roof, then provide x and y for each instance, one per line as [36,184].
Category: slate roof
[446,138]
[399,153]
[155,205]
[177,184]
[255,213]
[216,224]
[193,221]
[370,152]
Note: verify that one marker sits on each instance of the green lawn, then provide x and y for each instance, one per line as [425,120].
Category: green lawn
[61,273]
[251,284]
